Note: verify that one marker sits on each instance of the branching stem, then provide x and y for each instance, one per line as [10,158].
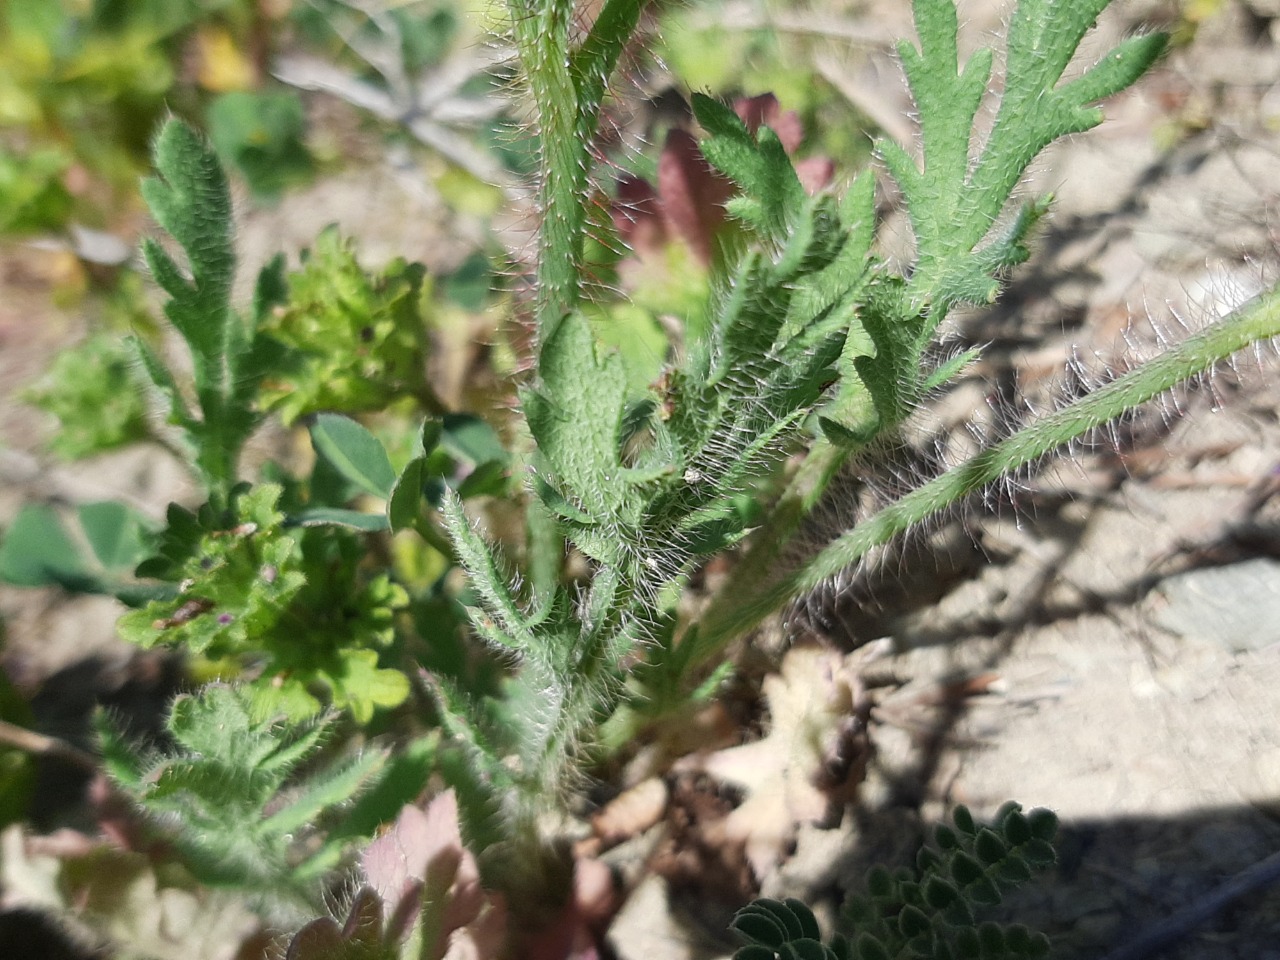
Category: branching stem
[733,613]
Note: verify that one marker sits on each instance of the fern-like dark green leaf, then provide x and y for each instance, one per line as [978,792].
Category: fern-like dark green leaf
[189,198]
[232,797]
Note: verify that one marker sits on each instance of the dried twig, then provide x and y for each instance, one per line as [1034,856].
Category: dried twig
[44,745]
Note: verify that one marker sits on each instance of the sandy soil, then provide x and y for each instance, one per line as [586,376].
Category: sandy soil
[1105,641]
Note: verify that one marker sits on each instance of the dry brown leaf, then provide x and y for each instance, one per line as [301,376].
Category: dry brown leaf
[631,812]
[815,705]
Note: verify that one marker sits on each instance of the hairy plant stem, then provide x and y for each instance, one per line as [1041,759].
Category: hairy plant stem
[743,604]
[568,88]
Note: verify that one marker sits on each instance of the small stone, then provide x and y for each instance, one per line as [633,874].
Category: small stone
[1236,606]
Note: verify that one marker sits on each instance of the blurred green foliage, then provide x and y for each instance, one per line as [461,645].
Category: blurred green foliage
[93,391]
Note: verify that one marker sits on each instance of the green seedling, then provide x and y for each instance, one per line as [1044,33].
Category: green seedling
[561,641]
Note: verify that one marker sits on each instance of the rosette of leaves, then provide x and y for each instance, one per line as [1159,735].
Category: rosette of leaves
[289,604]
[928,913]
[356,341]
[241,797]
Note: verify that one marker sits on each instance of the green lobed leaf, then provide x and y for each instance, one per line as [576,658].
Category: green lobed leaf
[354,340]
[575,414]
[771,191]
[953,202]
[219,794]
[190,199]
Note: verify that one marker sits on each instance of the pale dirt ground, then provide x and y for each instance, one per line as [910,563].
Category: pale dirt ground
[1108,644]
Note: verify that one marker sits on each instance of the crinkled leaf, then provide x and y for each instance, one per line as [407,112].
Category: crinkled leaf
[354,340]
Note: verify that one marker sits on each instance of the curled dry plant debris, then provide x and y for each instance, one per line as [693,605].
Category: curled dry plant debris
[807,766]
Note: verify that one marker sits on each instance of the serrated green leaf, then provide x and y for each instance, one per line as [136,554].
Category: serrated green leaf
[575,415]
[190,199]
[354,452]
[953,202]
[353,340]
[757,164]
